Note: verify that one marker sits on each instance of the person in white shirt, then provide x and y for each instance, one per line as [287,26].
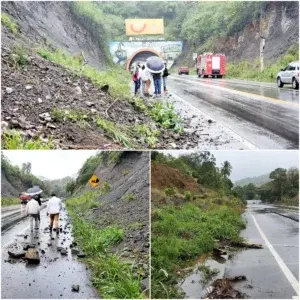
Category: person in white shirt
[33,210]
[146,81]
[53,209]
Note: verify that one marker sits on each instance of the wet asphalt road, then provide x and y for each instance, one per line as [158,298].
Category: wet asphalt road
[12,214]
[54,276]
[262,114]
[265,278]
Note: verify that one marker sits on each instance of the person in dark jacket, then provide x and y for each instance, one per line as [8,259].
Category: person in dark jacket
[164,76]
[157,83]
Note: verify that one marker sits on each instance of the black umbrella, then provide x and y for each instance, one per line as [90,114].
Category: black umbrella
[155,64]
[36,190]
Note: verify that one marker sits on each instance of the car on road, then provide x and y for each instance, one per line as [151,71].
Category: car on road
[183,70]
[24,198]
[289,75]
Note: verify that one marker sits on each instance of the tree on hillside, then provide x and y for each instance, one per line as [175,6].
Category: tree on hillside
[226,169]
[26,168]
[279,177]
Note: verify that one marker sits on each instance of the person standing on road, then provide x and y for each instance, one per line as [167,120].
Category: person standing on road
[164,76]
[157,83]
[146,81]
[136,79]
[53,209]
[33,210]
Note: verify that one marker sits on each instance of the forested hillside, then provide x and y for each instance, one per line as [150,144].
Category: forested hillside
[15,180]
[258,180]
[282,187]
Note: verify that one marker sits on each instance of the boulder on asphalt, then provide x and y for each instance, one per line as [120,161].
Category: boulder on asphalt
[63,252]
[9,90]
[16,251]
[32,256]
[75,288]
[81,255]
[75,251]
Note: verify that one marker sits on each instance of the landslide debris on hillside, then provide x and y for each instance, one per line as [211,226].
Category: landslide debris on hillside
[47,101]
[163,176]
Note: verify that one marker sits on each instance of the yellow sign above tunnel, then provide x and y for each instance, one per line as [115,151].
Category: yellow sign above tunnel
[94,181]
[144,26]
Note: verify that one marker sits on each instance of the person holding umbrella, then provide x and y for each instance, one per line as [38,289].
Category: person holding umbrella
[156,66]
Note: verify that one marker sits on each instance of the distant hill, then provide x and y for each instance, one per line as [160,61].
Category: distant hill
[258,180]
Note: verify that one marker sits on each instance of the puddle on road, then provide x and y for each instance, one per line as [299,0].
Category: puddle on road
[193,285]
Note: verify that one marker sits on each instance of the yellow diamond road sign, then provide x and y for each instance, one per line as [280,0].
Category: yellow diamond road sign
[94,181]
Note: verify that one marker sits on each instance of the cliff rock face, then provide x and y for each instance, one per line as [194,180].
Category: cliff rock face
[57,24]
[11,189]
[280,28]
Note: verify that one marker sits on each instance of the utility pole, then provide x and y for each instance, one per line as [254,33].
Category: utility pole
[262,40]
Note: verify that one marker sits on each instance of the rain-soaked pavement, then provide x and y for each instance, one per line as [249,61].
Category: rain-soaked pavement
[54,276]
[260,113]
[263,268]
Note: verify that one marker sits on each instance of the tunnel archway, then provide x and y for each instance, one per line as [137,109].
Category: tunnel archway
[141,56]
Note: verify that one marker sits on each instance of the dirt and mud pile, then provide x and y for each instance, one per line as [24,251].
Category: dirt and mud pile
[163,177]
[31,95]
[58,24]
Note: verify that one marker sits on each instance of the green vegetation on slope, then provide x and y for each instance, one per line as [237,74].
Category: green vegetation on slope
[115,77]
[6,201]
[20,178]
[251,71]
[8,22]
[12,140]
[112,278]
[188,225]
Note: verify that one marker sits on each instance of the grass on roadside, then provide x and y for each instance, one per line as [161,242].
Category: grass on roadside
[112,278]
[115,77]
[180,234]
[7,201]
[12,140]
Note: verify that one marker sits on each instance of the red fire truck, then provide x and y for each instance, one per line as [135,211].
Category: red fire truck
[209,64]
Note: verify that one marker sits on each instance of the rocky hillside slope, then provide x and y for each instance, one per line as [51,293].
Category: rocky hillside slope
[125,203]
[9,190]
[57,24]
[280,28]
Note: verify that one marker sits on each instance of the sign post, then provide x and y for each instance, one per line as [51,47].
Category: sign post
[94,181]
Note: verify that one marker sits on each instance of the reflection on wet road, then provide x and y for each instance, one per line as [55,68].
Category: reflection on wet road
[54,276]
[269,90]
[268,121]
[270,274]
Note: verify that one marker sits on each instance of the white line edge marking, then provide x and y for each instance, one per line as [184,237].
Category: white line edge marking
[288,274]
[234,134]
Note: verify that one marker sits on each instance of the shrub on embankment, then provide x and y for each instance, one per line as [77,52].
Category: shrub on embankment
[112,278]
[191,221]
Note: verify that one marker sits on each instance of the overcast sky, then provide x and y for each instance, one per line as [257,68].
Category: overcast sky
[55,164]
[52,164]
[253,163]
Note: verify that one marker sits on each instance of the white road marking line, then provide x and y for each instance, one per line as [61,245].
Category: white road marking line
[234,134]
[288,274]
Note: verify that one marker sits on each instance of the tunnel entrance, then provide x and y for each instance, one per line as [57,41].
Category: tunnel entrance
[141,57]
